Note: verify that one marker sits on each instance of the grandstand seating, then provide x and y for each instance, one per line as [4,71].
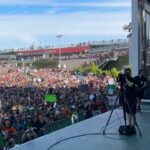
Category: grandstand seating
[77,49]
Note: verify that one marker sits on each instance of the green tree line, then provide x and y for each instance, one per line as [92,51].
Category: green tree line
[94,69]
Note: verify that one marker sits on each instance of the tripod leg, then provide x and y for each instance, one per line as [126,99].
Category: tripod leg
[123,106]
[114,106]
[136,124]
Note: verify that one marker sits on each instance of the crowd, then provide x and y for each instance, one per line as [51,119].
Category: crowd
[99,55]
[22,104]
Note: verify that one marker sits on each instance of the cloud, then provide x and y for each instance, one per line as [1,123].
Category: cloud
[103,4]
[29,28]
[25,2]
[118,3]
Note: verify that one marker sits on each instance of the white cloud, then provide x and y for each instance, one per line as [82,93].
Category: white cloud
[92,4]
[25,2]
[114,3]
[29,28]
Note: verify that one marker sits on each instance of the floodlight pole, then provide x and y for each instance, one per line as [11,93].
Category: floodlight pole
[59,37]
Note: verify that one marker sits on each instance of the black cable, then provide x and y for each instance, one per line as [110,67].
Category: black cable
[77,136]
[87,134]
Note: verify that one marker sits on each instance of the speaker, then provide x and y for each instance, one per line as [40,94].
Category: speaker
[127,130]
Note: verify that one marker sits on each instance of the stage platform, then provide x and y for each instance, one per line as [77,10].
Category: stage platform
[97,141]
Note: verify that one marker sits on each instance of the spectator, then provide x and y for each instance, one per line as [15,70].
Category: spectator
[18,124]
[8,133]
[29,135]
[29,123]
[23,97]
[7,129]
[40,122]
[74,117]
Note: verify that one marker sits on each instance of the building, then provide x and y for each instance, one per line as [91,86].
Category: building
[46,53]
[90,47]
[140,36]
[8,55]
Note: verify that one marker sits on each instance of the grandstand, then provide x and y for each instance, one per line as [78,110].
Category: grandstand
[69,50]
[85,48]
[8,55]
[71,55]
[112,45]
[39,54]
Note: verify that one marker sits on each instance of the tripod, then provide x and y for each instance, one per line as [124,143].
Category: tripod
[124,101]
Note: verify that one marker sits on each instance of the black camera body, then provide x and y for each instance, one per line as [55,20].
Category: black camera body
[122,78]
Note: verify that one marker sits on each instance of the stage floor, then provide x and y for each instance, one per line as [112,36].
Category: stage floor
[96,142]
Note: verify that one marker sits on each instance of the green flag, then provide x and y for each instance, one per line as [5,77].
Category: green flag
[52,98]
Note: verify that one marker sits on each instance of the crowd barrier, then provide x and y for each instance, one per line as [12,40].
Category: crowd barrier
[49,128]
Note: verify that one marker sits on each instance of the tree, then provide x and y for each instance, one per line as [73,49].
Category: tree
[93,68]
[79,70]
[114,72]
[107,72]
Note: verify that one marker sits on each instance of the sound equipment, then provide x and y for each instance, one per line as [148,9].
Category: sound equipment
[127,130]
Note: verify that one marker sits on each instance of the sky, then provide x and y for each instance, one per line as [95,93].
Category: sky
[27,22]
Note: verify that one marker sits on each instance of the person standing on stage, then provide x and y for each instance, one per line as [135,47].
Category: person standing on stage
[140,83]
[130,97]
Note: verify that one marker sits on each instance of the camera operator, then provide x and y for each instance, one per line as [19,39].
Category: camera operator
[140,83]
[127,83]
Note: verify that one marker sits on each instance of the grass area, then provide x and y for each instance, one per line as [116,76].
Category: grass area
[120,63]
[42,64]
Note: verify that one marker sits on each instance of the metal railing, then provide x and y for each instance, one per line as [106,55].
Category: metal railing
[49,128]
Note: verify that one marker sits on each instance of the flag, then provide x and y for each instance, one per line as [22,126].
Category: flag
[52,98]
